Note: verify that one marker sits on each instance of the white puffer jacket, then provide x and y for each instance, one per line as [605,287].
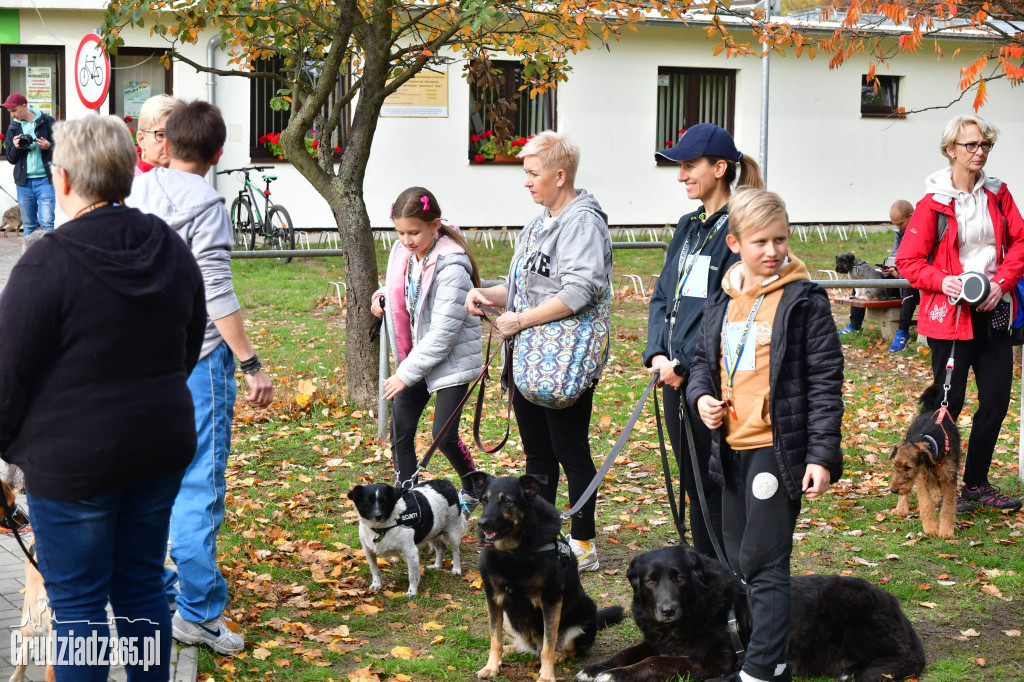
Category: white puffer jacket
[447,350]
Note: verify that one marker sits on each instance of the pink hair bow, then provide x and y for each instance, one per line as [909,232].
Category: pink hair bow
[426,202]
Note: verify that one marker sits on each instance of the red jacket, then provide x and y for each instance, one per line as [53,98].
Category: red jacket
[937,318]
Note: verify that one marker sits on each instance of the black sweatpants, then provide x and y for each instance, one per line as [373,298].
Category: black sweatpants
[758,520]
[990,354]
[910,298]
[553,438]
[405,418]
[713,493]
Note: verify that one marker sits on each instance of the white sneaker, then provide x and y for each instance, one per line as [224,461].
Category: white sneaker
[213,633]
[585,558]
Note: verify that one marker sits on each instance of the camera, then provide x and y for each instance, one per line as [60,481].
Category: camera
[25,141]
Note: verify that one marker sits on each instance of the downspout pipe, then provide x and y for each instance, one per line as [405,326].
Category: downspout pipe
[211,91]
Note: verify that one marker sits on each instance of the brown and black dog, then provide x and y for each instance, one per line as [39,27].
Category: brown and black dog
[531,578]
[36,613]
[929,456]
[12,220]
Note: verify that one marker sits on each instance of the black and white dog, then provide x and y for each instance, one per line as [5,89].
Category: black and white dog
[394,524]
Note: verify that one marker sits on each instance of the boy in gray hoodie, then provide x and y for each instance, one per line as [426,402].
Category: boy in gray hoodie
[195,134]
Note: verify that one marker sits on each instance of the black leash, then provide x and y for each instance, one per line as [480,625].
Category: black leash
[666,469]
[684,417]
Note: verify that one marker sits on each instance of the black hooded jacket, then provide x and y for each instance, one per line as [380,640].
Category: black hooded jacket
[690,310]
[102,323]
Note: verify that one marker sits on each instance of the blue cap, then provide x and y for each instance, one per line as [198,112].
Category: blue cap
[703,139]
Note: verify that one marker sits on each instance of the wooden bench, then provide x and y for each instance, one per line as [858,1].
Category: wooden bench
[885,314]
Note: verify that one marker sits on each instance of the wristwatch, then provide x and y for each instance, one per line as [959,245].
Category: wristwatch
[678,368]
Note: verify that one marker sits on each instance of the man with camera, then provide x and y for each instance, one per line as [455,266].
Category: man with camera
[28,147]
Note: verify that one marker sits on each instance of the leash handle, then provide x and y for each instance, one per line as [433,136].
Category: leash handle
[9,514]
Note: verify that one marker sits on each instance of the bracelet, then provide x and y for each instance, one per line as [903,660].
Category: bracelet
[251,366]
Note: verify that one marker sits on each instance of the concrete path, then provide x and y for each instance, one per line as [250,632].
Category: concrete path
[10,252]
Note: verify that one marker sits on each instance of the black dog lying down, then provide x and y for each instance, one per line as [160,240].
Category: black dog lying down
[530,577]
[839,627]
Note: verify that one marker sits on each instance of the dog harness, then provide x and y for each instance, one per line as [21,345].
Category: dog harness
[940,414]
[410,517]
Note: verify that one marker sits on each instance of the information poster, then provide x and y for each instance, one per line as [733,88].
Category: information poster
[135,95]
[39,88]
[425,95]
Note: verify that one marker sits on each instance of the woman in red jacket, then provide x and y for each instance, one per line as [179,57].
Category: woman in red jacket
[984,233]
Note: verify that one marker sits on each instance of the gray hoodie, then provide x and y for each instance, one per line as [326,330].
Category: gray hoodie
[571,259]
[193,209]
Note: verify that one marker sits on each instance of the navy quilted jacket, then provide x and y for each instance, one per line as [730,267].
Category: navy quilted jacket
[805,377]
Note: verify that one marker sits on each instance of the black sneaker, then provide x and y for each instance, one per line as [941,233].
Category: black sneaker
[988,495]
[963,505]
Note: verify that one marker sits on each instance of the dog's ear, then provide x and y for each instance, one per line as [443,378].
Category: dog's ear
[476,481]
[532,483]
[895,449]
[355,493]
[633,574]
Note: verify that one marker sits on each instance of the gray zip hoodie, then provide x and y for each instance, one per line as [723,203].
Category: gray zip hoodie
[571,259]
[187,203]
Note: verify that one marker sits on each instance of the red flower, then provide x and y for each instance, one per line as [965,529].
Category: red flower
[489,133]
[273,137]
[682,130]
[316,143]
[521,141]
[479,158]
[128,119]
[474,138]
[2,136]
[668,143]
[262,139]
[337,150]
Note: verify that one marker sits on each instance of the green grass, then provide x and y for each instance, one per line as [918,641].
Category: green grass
[290,543]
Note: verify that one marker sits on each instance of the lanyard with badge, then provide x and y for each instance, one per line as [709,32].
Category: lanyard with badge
[412,289]
[685,269]
[730,371]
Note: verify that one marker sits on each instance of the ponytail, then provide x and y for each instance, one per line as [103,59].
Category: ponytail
[750,173]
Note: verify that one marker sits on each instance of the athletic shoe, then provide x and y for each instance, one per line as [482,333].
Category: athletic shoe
[964,505]
[585,558]
[213,633]
[849,329]
[989,496]
[468,501]
[900,341]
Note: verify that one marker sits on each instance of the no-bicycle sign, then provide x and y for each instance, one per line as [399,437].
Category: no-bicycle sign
[92,71]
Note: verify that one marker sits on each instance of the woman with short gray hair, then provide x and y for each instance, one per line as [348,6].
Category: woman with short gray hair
[103,320]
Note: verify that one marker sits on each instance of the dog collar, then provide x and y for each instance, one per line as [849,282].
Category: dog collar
[940,415]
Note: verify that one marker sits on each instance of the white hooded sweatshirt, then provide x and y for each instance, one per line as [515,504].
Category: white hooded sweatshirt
[974,222]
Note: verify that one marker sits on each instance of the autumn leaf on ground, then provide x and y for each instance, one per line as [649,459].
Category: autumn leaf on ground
[403,652]
[363,675]
[261,654]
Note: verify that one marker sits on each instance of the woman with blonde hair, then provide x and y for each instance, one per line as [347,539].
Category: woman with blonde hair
[709,167]
[150,137]
[558,282]
[983,234]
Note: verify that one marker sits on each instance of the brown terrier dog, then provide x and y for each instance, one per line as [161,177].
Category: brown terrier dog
[12,220]
[929,456]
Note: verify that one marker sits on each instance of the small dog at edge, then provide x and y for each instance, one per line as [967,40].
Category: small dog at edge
[12,220]
[531,578]
[393,524]
[858,268]
[929,456]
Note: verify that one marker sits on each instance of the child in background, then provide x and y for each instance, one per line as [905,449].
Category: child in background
[436,343]
[774,403]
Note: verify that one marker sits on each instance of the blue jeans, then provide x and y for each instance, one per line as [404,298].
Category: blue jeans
[36,200]
[110,546]
[202,592]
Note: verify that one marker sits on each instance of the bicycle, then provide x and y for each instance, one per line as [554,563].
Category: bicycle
[90,70]
[275,226]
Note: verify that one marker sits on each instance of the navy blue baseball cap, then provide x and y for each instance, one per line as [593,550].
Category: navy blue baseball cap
[703,139]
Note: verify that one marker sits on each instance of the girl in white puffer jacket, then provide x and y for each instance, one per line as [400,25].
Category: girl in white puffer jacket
[436,343]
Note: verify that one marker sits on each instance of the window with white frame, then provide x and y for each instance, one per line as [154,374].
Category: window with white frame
[687,97]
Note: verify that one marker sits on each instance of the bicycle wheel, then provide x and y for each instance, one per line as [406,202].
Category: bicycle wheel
[282,230]
[83,76]
[243,224]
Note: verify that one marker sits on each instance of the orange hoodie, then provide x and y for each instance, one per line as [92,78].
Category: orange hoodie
[751,427]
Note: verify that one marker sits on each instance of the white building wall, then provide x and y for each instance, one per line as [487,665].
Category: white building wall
[826,161]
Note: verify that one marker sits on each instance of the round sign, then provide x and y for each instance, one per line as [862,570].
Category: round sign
[92,71]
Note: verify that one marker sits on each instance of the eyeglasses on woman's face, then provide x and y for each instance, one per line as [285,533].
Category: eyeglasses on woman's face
[158,135]
[973,147]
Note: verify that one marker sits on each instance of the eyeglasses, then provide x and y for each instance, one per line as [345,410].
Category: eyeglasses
[972,147]
[158,135]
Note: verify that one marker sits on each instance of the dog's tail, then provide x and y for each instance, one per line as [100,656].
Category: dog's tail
[931,399]
[609,615]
